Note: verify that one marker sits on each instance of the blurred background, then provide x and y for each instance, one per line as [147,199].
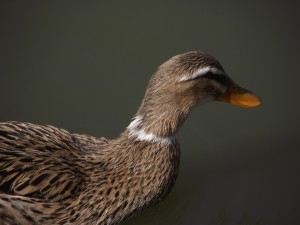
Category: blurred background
[84,66]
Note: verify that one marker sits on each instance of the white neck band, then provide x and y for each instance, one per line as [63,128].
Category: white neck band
[139,134]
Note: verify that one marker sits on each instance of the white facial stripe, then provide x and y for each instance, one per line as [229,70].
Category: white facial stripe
[140,135]
[201,72]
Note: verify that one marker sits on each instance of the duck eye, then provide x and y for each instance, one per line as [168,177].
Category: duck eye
[220,78]
[210,75]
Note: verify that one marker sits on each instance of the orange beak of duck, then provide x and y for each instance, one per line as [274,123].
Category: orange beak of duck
[239,96]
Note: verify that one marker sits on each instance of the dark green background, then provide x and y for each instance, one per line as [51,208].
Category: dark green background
[84,66]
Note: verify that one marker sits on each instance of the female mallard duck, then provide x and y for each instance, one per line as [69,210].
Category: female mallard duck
[49,176]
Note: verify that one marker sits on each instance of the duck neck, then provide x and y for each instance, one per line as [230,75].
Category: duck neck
[159,124]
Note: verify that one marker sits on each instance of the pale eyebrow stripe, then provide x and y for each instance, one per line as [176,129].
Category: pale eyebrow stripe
[201,72]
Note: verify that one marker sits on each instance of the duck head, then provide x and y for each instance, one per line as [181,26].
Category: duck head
[180,84]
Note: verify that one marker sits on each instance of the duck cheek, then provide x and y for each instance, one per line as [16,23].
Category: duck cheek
[205,99]
[207,94]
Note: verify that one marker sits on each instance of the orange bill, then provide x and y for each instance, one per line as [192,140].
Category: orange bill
[237,95]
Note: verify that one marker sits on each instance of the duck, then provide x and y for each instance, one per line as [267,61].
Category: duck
[51,176]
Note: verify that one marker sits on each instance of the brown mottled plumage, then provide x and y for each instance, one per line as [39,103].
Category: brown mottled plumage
[49,176]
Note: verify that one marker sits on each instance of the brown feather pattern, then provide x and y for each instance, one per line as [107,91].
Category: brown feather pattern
[48,175]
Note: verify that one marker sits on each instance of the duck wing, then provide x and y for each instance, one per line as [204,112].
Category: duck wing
[20,210]
[40,161]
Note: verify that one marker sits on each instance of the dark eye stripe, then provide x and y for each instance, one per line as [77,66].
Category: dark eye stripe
[220,78]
